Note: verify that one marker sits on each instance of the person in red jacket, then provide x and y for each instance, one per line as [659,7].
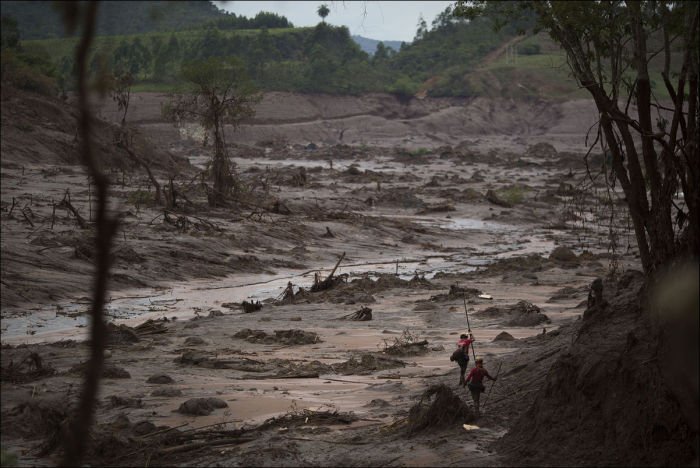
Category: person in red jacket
[475,381]
[461,355]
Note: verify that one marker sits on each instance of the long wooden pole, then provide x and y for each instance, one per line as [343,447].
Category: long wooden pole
[469,327]
[494,383]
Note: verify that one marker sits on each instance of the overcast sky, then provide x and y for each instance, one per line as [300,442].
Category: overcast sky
[387,21]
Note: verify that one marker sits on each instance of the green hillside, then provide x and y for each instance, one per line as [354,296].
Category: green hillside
[41,20]
[454,57]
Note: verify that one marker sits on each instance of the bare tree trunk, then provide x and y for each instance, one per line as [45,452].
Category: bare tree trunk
[77,435]
[221,170]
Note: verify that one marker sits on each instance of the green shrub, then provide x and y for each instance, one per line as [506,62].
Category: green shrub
[513,194]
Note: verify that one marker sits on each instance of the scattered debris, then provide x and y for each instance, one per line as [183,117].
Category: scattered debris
[456,292]
[522,314]
[116,401]
[166,392]
[30,368]
[284,337]
[202,359]
[151,327]
[109,371]
[406,345]
[252,306]
[366,364]
[121,334]
[330,281]
[309,417]
[362,315]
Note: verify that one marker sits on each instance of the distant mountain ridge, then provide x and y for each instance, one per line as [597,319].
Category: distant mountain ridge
[370,45]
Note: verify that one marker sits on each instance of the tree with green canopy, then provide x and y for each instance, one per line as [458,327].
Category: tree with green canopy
[653,145]
[219,92]
[323,11]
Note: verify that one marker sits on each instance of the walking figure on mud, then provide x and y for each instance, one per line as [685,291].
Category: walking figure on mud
[475,381]
[461,355]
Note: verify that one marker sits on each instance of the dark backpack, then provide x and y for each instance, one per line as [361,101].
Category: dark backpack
[458,355]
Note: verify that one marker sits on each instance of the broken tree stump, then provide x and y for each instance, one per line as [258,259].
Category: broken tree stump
[329,282]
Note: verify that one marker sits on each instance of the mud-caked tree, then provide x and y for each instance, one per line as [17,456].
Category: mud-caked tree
[121,84]
[219,93]
[653,144]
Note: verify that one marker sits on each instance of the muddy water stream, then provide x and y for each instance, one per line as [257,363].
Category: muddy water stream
[69,319]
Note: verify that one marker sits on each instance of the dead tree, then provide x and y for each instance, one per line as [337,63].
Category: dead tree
[122,142]
[67,205]
[330,281]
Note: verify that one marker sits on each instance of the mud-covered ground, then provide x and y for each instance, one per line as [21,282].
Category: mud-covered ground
[417,227]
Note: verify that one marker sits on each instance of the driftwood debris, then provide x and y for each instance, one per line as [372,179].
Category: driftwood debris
[252,306]
[66,204]
[362,315]
[330,280]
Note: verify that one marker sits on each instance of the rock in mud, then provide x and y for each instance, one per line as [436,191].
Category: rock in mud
[160,379]
[522,314]
[504,336]
[563,254]
[496,200]
[194,341]
[378,403]
[439,407]
[143,428]
[201,406]
[166,392]
[215,313]
[542,150]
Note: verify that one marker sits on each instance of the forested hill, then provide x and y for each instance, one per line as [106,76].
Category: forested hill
[451,57]
[40,19]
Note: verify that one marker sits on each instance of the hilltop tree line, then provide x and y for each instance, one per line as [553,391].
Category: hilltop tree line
[279,57]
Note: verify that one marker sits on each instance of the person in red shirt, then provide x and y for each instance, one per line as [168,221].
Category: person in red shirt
[475,381]
[461,355]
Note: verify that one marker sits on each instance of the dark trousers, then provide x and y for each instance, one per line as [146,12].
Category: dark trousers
[462,370]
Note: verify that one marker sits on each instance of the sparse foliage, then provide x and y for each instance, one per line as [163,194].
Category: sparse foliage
[653,148]
[121,92]
[219,93]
